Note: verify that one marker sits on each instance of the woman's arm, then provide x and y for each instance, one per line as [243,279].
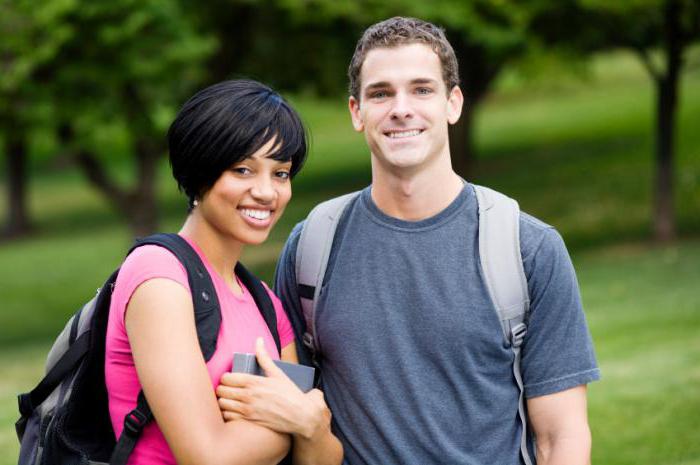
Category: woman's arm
[172,371]
[277,403]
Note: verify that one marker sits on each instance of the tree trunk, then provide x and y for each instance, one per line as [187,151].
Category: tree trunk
[16,155]
[462,142]
[477,70]
[138,204]
[667,99]
[142,206]
[664,223]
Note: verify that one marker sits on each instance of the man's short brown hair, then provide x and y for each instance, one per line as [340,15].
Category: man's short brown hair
[403,31]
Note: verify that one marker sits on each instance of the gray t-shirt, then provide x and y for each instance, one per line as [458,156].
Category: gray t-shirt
[414,366]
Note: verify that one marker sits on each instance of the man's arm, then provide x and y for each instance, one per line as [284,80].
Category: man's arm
[560,424]
[558,358]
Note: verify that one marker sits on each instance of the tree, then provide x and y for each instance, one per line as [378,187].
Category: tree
[485,34]
[128,64]
[659,32]
[29,40]
[123,65]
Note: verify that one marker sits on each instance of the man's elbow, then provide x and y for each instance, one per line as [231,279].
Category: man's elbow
[570,445]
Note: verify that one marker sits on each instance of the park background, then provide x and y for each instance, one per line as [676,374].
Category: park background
[586,111]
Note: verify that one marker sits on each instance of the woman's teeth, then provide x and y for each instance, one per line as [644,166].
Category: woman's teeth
[257,214]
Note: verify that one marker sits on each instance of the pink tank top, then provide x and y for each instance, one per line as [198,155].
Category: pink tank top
[241,323]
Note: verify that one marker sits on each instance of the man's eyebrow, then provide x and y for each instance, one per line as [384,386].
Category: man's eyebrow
[423,81]
[385,84]
[377,85]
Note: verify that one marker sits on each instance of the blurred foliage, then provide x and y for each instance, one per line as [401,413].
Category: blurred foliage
[98,82]
[81,67]
[660,32]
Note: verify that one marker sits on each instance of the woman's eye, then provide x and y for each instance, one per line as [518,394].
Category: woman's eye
[241,170]
[282,174]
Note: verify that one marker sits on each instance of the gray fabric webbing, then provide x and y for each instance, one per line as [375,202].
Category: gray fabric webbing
[313,251]
[501,262]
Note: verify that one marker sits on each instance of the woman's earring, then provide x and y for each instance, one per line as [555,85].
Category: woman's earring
[195,203]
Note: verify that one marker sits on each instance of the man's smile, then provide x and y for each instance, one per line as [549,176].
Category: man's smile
[402,133]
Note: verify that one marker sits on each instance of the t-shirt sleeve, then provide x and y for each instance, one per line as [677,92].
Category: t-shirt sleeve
[557,353]
[144,263]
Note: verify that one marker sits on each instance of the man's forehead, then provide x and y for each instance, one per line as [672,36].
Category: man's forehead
[407,62]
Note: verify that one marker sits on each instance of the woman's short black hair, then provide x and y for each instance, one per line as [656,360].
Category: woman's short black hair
[226,123]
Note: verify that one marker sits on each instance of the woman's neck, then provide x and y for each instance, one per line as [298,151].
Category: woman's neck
[222,252]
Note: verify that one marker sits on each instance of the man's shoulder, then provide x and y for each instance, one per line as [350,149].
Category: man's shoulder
[534,233]
[290,248]
[539,238]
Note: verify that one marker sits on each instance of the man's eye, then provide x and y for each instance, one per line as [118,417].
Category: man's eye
[378,94]
[424,90]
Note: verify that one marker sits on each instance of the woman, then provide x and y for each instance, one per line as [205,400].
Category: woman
[234,148]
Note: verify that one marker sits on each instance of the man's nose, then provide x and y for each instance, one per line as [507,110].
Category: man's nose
[401,108]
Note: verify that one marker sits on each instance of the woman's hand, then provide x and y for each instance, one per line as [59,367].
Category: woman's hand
[273,401]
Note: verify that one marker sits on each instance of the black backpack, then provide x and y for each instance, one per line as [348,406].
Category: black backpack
[65,418]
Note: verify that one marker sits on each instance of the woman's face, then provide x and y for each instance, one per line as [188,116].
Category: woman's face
[248,198]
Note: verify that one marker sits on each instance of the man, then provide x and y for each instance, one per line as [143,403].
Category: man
[413,361]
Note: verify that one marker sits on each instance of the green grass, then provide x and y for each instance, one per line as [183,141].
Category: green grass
[577,153]
[644,312]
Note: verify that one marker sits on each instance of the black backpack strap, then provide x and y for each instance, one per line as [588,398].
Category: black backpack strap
[30,400]
[207,316]
[206,304]
[207,320]
[134,422]
[262,300]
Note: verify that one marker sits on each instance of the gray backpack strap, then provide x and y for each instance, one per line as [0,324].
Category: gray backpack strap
[502,265]
[313,252]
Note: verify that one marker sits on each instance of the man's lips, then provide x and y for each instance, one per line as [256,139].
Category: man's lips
[403,133]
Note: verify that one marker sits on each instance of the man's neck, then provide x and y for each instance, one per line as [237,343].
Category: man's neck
[415,196]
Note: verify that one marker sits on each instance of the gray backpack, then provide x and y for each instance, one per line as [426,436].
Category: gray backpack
[501,264]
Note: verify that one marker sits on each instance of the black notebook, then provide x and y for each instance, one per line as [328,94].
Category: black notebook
[302,375]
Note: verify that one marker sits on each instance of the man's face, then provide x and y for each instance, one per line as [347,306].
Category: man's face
[404,108]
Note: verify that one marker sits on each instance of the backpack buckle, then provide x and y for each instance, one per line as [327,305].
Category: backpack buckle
[517,334]
[308,341]
[26,408]
[134,422]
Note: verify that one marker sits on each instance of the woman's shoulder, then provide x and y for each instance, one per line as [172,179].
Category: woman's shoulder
[149,262]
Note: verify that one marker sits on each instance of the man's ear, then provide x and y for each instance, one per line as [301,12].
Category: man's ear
[354,107]
[454,105]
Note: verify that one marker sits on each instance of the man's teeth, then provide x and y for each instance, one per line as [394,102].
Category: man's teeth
[398,135]
[257,214]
